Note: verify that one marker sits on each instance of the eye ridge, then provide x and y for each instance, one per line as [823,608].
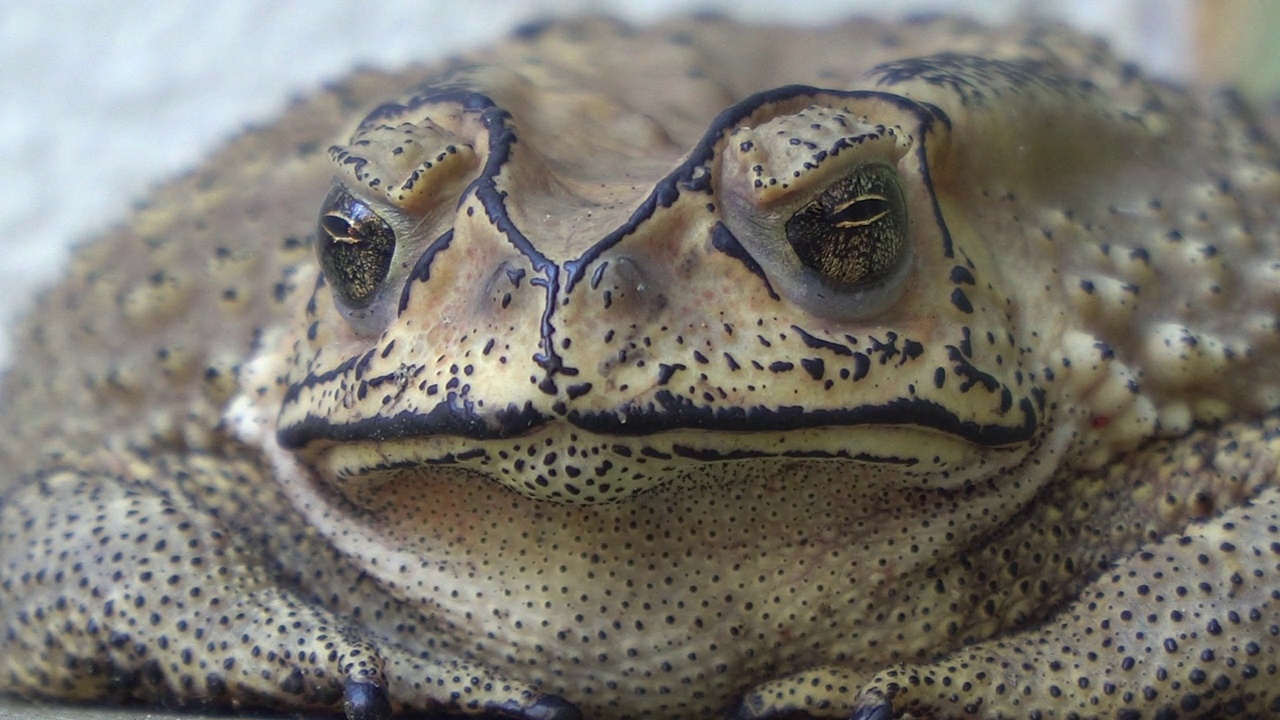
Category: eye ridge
[355,247]
[853,233]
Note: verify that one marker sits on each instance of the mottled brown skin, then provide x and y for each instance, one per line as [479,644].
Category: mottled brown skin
[594,436]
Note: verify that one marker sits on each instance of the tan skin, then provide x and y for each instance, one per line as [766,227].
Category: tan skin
[919,369]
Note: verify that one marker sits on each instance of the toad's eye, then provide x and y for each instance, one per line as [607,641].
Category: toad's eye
[855,232]
[355,247]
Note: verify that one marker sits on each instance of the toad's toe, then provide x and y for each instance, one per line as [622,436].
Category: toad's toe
[546,707]
[365,701]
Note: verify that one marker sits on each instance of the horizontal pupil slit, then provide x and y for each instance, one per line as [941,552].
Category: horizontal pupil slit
[861,211]
[336,226]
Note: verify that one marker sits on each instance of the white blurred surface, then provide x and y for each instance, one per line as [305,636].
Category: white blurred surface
[99,100]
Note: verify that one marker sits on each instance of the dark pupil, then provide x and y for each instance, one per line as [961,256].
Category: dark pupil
[860,212]
[855,232]
[355,248]
[335,226]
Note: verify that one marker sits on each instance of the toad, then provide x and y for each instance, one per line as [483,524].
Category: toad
[887,369]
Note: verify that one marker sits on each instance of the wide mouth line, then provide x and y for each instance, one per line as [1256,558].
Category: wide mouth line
[512,424]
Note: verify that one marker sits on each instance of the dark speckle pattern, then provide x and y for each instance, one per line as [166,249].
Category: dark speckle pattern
[571,431]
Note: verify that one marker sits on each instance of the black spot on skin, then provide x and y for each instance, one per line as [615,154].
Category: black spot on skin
[960,275]
[816,343]
[911,350]
[814,366]
[665,372]
[888,349]
[598,275]
[961,301]
[972,375]
[861,366]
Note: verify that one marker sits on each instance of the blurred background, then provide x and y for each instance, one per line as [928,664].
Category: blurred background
[99,100]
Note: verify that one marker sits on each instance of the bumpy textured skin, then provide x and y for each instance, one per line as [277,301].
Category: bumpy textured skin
[597,448]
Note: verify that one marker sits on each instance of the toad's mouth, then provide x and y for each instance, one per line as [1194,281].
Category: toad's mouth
[602,457]
[665,414]
[563,463]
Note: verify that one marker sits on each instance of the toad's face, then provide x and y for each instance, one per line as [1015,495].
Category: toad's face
[584,325]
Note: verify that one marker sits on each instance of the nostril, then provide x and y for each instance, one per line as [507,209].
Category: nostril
[622,281]
[505,280]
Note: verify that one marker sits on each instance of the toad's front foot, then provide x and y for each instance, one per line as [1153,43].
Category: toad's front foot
[369,701]
[825,692]
[1186,627]
[546,707]
[157,600]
